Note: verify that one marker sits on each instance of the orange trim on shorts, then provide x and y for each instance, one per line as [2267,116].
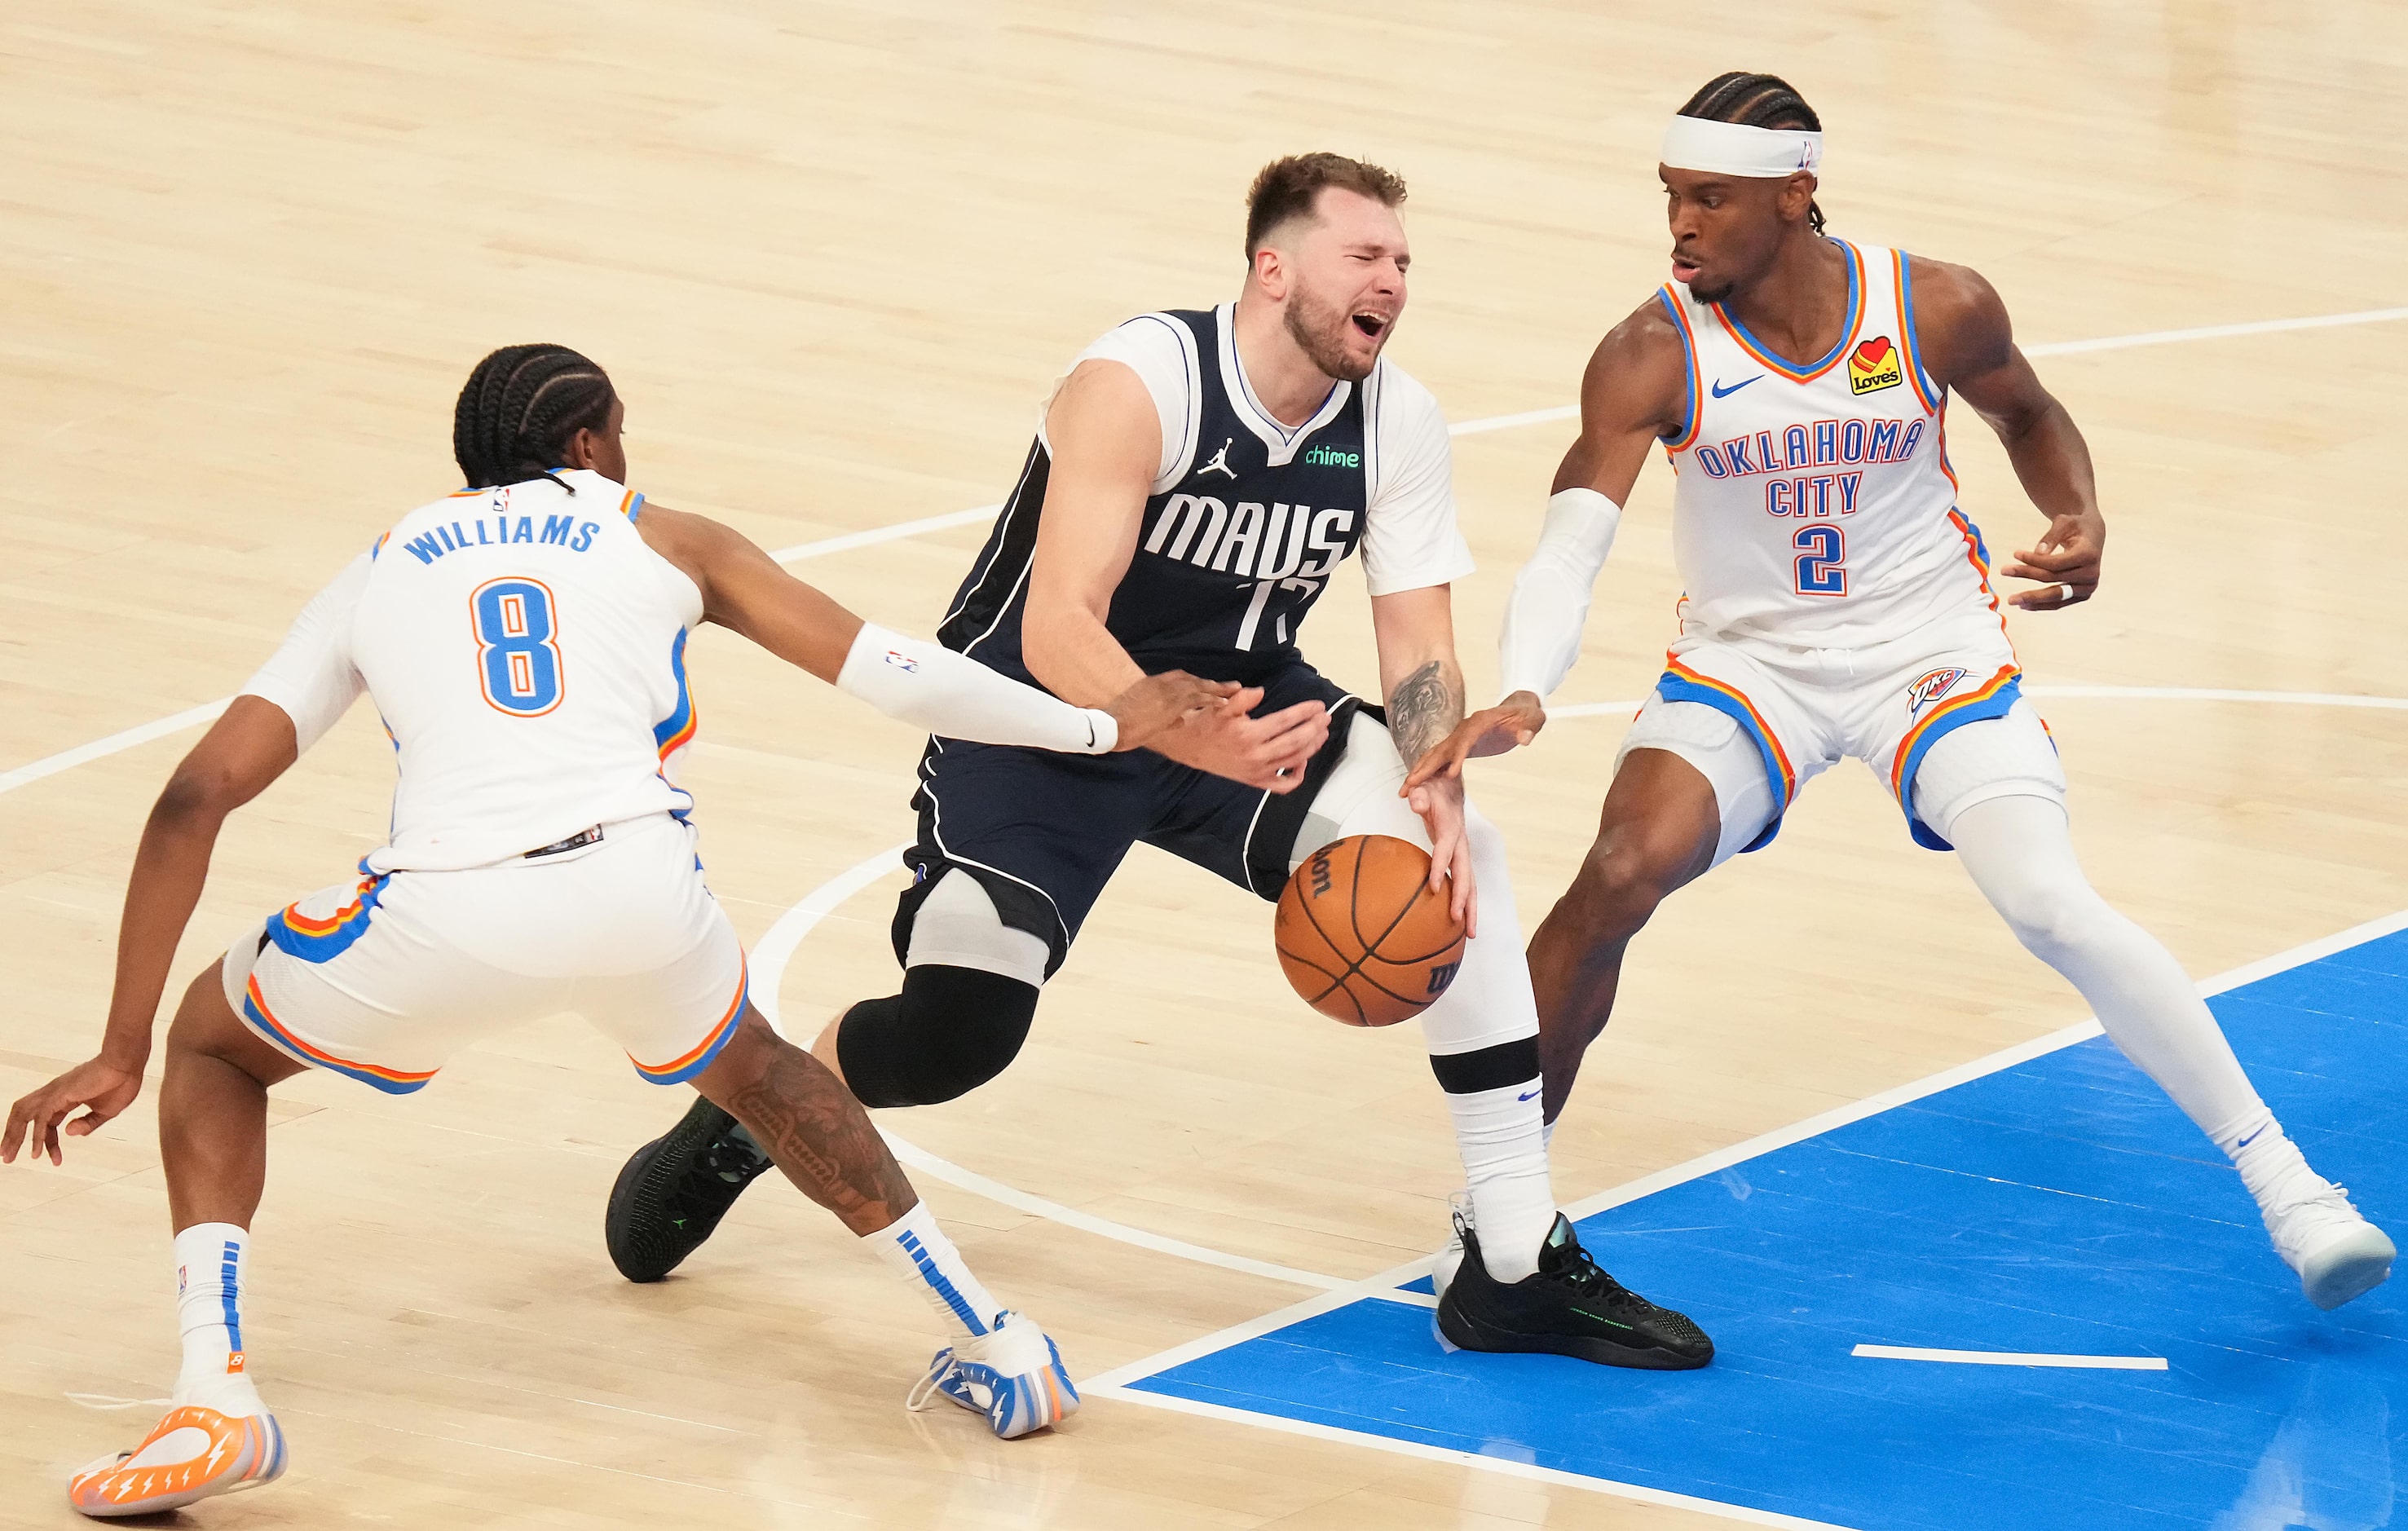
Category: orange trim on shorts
[394,1082]
[1990,688]
[678,1071]
[1788,773]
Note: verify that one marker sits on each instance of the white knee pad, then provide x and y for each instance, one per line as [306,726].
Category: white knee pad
[957,926]
[1727,758]
[1998,757]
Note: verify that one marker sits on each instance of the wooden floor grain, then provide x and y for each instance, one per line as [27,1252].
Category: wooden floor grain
[833,256]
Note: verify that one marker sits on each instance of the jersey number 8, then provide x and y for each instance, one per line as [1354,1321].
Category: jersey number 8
[517,663]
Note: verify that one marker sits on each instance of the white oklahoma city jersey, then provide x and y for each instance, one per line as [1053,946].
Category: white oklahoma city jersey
[526,649]
[1814,506]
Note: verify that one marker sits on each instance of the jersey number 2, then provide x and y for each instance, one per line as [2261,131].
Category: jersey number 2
[1822,559]
[517,663]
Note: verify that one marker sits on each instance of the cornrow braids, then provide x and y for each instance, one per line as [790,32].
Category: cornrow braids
[520,409]
[1762,101]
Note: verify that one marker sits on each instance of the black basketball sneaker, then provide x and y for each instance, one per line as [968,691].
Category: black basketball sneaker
[1571,1306]
[676,1188]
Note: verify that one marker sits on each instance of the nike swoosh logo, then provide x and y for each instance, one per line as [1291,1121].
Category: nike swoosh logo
[2251,1138]
[1722,392]
[1532,1095]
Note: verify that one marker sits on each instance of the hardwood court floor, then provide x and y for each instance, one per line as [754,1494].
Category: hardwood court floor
[833,253]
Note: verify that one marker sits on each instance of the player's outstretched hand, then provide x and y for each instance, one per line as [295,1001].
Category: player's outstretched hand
[2068,558]
[101,1088]
[1510,725]
[1269,752]
[1160,703]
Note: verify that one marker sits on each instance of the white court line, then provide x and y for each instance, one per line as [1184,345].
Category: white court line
[770,955]
[1780,1138]
[2130,693]
[801,921]
[52,764]
[1503,1465]
[2012,1359]
[1115,1382]
[68,759]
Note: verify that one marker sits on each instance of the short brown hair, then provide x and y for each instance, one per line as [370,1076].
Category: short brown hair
[1287,188]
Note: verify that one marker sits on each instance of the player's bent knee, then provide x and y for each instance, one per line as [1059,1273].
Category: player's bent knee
[951,1030]
[1619,885]
[206,1027]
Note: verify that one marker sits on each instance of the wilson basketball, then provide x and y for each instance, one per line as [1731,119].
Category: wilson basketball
[1361,936]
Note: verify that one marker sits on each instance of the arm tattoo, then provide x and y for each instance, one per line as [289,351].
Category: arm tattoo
[1424,708]
[822,1139]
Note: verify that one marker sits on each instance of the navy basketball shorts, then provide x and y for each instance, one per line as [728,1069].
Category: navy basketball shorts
[1042,832]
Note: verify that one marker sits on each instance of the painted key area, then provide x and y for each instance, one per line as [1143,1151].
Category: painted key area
[2061,1206]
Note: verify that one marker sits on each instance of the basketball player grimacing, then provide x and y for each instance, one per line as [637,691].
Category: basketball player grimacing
[1839,604]
[1193,485]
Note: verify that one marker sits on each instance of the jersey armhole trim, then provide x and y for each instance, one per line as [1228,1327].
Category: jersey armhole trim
[1691,416]
[1192,416]
[631,504]
[1934,399]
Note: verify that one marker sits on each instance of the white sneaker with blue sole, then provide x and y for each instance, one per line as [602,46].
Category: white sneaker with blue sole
[1012,1373]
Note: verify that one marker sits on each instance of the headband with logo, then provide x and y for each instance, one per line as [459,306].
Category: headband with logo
[1728,149]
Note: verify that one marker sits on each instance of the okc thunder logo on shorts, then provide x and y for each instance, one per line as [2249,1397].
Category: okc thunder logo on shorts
[1931,688]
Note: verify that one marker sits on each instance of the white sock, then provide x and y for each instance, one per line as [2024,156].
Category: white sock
[2021,857]
[211,1258]
[1503,1145]
[923,1255]
[2268,1159]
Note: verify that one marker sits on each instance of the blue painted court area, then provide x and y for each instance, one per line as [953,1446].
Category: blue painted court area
[2061,1205]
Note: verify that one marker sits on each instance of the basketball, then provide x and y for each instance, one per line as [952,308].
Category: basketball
[1360,935]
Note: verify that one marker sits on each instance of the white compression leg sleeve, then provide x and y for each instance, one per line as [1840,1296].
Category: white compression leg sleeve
[2020,854]
[1486,1020]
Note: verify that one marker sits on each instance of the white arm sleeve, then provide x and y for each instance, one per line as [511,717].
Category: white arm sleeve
[1550,606]
[1411,540]
[311,678]
[923,683]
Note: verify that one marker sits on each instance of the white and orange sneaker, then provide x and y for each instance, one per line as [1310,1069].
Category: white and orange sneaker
[194,1454]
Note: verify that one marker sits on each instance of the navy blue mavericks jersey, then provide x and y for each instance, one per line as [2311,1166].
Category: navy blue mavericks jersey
[1229,560]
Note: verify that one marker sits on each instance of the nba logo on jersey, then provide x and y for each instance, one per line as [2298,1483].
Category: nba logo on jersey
[1931,688]
[1873,364]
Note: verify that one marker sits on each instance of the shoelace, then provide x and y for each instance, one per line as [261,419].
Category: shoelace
[1584,1275]
[924,1391]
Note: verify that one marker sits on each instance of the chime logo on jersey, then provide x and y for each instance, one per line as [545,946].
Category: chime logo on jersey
[1873,364]
[1931,688]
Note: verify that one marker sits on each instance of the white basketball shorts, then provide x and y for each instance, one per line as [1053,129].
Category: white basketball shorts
[384,977]
[1938,714]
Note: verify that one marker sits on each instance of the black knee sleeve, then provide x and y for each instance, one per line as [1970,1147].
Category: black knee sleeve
[951,1030]
[1488,1067]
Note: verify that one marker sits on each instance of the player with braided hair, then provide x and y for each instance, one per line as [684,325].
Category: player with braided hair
[520,408]
[541,861]
[1839,604]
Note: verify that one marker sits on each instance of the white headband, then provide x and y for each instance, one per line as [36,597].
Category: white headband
[1728,149]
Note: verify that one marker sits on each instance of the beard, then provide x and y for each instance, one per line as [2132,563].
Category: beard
[1321,330]
[1705,293]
